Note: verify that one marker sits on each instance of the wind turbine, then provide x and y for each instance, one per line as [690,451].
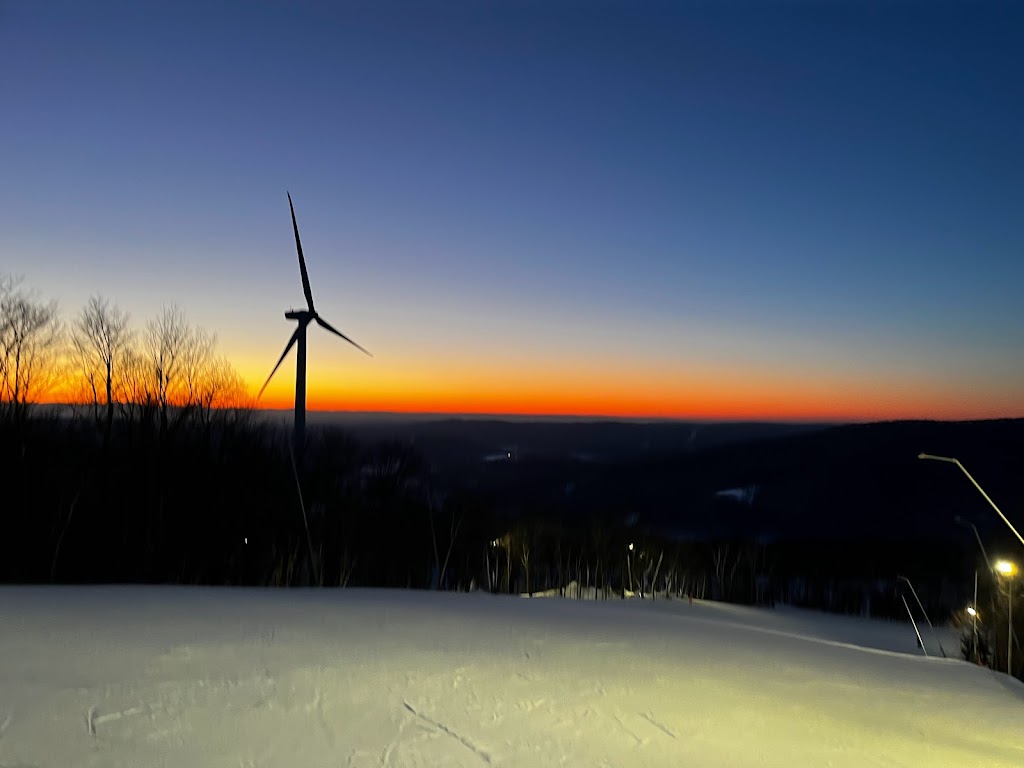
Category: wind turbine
[303,317]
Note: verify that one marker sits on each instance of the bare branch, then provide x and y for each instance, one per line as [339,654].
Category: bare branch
[30,335]
[99,339]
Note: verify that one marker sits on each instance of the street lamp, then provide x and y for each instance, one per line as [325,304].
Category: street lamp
[963,469]
[1008,569]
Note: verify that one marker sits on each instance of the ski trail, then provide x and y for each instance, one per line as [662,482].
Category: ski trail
[112,716]
[486,758]
[639,742]
[656,724]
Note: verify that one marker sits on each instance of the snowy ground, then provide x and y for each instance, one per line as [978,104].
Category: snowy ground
[180,678]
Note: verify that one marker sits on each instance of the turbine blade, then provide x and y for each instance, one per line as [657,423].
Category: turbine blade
[302,262]
[328,327]
[287,349]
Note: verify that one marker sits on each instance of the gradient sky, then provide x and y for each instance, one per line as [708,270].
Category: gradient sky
[772,211]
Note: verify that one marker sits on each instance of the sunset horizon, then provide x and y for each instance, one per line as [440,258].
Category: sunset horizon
[570,406]
[671,213]
[720,392]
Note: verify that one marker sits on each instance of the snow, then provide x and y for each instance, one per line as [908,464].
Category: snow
[878,634]
[176,677]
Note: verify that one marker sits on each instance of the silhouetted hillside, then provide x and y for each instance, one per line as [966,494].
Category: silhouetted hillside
[460,444]
[859,480]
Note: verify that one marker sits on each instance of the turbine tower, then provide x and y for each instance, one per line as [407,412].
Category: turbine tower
[303,317]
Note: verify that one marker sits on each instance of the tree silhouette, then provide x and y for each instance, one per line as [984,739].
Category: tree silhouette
[100,338]
[168,337]
[30,336]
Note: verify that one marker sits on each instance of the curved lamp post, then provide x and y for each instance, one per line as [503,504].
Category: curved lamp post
[981,490]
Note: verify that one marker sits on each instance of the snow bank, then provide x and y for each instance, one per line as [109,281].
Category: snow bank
[178,677]
[881,634]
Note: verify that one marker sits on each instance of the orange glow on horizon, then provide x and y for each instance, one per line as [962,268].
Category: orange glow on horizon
[609,411]
[717,394]
[540,382]
[722,404]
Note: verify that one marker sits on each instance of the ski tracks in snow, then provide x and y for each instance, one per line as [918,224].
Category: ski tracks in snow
[504,718]
[660,726]
[467,743]
[517,716]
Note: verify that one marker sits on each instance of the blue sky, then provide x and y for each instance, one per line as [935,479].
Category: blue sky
[828,194]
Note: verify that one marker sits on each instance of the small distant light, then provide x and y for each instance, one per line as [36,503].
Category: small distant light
[630,546]
[971,611]
[510,454]
[246,539]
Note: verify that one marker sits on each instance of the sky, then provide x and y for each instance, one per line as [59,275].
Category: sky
[768,211]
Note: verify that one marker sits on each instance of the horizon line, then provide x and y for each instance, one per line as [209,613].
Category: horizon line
[499,415]
[587,417]
[561,416]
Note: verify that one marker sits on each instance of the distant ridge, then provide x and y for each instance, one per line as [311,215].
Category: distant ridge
[328,416]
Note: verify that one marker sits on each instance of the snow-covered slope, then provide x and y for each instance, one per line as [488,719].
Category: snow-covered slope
[179,678]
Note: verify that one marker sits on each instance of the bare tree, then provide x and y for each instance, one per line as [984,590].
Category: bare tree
[433,501]
[134,388]
[182,369]
[599,543]
[30,335]
[7,285]
[725,559]
[167,339]
[507,544]
[217,385]
[523,538]
[720,558]
[100,338]
[197,360]
[226,388]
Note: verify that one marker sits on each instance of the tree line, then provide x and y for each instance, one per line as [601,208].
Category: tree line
[99,363]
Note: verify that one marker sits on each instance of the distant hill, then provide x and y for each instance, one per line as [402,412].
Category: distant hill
[462,443]
[700,480]
[845,481]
